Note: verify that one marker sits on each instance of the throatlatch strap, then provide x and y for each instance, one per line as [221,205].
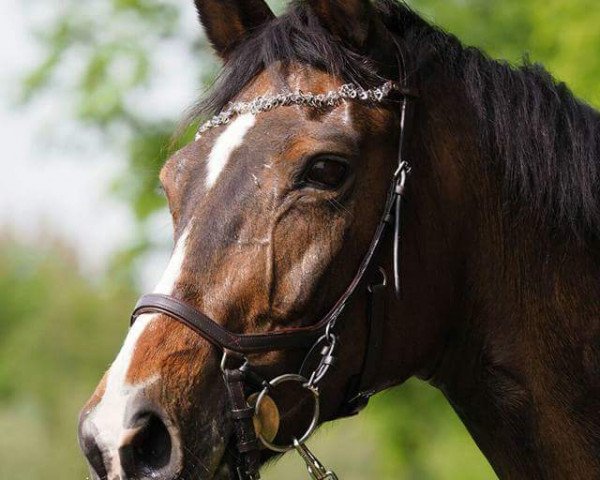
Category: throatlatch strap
[372,362]
[362,386]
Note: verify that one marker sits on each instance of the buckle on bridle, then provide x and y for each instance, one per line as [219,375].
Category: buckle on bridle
[400,176]
[230,356]
[381,284]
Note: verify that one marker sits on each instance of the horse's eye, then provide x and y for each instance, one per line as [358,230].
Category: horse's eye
[326,172]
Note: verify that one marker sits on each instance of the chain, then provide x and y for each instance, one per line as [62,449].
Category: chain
[265,103]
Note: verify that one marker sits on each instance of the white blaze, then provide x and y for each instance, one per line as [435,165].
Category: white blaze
[228,141]
[171,274]
[109,415]
[347,115]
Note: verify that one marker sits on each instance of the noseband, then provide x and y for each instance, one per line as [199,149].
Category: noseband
[321,338]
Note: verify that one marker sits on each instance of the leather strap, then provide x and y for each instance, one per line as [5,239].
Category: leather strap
[362,386]
[248,460]
[302,337]
[373,354]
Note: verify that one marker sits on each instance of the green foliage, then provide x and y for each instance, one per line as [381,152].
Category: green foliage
[58,333]
[564,36]
[107,36]
[107,48]
[422,438]
[147,152]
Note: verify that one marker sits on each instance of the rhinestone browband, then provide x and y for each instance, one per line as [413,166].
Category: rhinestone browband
[264,103]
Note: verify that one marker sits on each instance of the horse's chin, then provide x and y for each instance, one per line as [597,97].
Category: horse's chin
[224,471]
[225,468]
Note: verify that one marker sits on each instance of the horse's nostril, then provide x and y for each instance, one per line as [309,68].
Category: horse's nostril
[93,454]
[148,450]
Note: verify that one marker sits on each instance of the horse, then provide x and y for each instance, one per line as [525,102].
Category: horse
[372,201]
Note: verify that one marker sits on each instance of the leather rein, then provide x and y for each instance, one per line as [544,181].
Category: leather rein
[321,338]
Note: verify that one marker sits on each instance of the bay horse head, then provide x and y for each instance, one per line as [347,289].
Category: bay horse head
[288,301]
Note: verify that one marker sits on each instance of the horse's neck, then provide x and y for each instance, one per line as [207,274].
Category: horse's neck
[521,368]
[526,385]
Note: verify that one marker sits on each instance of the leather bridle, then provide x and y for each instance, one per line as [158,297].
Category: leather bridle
[320,338]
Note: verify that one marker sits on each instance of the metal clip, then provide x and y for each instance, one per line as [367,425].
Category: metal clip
[327,358]
[400,176]
[315,468]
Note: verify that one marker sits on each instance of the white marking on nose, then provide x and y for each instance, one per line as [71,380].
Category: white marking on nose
[108,417]
[173,270]
[228,141]
[347,115]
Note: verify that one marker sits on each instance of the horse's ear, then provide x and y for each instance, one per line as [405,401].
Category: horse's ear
[350,21]
[228,22]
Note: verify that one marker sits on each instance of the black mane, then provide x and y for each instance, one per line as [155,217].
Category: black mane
[547,141]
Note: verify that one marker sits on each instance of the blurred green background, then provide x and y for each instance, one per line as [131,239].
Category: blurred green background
[63,317]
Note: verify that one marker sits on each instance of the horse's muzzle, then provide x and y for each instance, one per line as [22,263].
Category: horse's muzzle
[146,448]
